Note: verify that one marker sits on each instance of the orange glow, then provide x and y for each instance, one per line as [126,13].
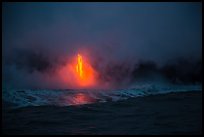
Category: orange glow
[81,98]
[79,65]
[78,73]
[85,74]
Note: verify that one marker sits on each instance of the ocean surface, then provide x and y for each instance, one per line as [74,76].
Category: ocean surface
[142,109]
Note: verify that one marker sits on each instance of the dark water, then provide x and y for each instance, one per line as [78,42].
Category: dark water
[170,113]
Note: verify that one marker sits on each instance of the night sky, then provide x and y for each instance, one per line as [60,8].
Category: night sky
[38,38]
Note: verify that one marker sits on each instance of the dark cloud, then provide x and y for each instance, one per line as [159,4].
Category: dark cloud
[176,71]
[41,37]
[31,61]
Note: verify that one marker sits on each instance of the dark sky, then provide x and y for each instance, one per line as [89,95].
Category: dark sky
[113,31]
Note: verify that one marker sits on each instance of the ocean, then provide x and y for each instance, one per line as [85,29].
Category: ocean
[138,110]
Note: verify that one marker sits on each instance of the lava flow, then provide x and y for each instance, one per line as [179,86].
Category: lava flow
[79,65]
[84,72]
[78,73]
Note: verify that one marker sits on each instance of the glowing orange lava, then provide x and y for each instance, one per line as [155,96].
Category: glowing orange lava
[84,72]
[79,65]
[78,73]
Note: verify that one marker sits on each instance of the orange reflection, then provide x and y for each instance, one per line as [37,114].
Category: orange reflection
[81,98]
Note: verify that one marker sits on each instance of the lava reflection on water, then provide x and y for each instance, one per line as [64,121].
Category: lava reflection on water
[80,99]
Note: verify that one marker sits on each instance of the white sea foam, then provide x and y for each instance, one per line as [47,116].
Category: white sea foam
[23,98]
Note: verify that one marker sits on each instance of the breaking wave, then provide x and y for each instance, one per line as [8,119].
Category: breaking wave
[67,97]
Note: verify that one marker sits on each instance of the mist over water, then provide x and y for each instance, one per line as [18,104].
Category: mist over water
[126,43]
